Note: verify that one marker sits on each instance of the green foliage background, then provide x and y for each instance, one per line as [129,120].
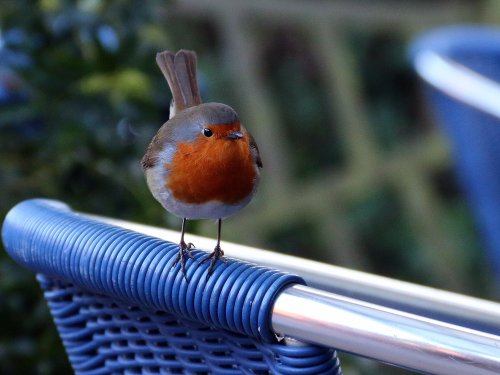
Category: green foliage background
[89,97]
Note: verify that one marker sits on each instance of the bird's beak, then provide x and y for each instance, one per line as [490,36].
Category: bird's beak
[234,135]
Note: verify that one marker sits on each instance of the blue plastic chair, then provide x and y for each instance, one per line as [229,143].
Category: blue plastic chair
[461,66]
[121,309]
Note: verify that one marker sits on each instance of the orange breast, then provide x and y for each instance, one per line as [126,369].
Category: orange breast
[212,169]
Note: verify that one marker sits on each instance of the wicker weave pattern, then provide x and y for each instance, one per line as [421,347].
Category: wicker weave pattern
[121,308]
[102,336]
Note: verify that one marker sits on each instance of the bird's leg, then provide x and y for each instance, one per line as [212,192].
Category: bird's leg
[215,255]
[184,250]
[182,245]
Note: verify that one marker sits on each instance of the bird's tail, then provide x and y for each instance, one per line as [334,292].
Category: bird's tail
[180,71]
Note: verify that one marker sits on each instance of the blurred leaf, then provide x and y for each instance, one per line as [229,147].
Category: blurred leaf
[127,84]
[50,5]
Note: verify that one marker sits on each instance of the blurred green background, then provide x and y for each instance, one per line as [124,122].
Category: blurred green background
[356,172]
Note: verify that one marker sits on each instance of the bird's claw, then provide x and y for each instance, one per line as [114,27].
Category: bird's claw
[214,256]
[184,250]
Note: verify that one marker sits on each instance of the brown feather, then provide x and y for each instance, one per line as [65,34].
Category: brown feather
[256,153]
[165,61]
[163,136]
[149,160]
[185,69]
[180,72]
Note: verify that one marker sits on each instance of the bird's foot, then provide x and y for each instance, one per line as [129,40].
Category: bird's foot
[214,256]
[183,254]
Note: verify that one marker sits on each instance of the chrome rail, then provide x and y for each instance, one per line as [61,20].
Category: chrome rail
[383,334]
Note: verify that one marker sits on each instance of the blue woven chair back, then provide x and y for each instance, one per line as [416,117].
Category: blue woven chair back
[120,308]
[474,134]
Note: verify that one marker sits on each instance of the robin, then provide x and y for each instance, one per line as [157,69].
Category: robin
[202,163]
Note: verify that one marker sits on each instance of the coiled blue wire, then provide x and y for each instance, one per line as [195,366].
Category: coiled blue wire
[47,237]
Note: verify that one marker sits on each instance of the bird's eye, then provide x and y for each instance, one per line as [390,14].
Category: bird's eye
[207,132]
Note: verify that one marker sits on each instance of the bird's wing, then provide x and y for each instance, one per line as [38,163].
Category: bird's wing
[158,143]
[255,151]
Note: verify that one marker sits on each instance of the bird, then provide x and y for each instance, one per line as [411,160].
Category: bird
[202,163]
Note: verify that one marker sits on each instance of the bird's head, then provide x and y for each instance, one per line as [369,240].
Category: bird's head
[214,122]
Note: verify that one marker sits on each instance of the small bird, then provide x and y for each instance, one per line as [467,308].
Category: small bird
[202,163]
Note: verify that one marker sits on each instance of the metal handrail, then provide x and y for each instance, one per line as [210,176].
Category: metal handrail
[459,82]
[406,340]
[368,329]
